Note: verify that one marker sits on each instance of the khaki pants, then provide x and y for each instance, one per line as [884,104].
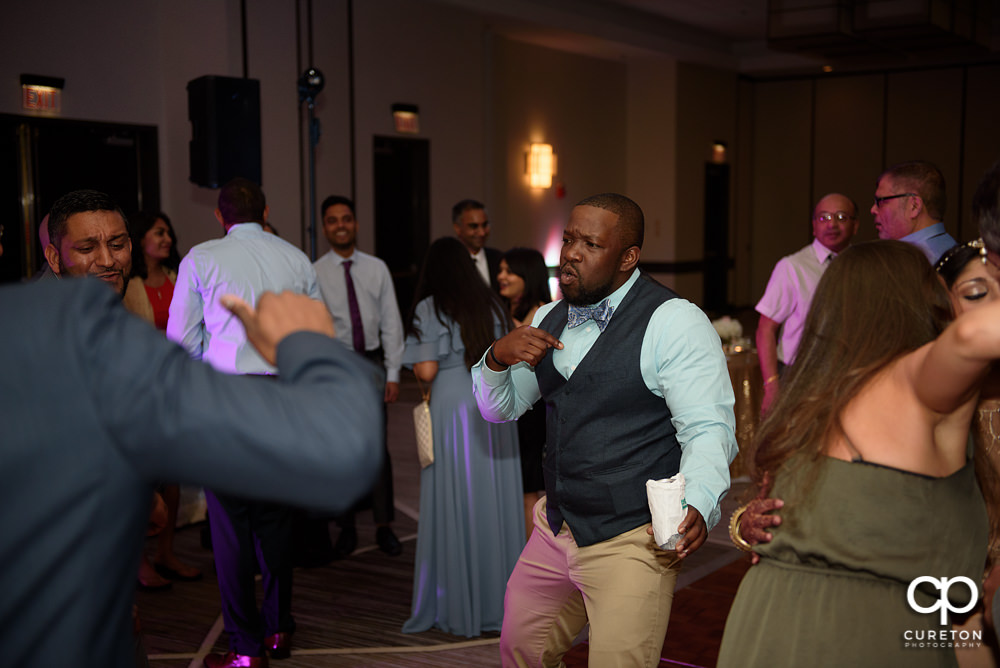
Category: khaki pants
[624,586]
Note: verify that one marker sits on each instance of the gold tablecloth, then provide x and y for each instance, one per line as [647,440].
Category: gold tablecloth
[748,386]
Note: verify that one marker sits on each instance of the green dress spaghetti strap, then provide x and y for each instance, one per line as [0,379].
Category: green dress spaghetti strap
[831,587]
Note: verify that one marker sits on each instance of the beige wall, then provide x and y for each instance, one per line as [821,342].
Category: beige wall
[652,148]
[614,123]
[209,46]
[482,99]
[640,125]
[109,57]
[706,112]
[130,62]
[431,56]
[575,103]
[333,155]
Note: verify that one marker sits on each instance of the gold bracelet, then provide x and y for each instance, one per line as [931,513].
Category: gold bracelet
[734,529]
[771,379]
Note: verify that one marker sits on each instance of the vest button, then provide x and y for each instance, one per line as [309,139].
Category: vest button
[562,420]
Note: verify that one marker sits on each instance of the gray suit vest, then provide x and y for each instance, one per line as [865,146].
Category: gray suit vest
[606,432]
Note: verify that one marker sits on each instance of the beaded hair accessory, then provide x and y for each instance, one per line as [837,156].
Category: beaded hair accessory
[975,243]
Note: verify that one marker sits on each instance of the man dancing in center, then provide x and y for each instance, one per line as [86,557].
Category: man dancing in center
[636,387]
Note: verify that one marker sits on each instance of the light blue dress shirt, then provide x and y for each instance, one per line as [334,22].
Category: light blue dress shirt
[376,300]
[246,262]
[681,360]
[933,241]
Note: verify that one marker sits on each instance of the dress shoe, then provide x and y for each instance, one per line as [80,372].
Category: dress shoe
[347,541]
[234,660]
[279,646]
[387,541]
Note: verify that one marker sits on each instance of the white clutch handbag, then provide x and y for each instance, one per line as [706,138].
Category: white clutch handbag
[422,424]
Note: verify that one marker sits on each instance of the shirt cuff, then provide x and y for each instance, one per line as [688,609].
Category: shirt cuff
[491,378]
[704,504]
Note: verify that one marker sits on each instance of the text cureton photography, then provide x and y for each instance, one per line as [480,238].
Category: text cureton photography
[945,636]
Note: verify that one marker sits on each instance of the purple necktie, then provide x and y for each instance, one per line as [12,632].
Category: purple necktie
[357,329]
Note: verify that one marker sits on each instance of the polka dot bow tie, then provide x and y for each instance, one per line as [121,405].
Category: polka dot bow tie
[600,314]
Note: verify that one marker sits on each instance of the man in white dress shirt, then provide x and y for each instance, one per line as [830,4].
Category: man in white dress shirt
[786,300]
[472,227]
[366,317]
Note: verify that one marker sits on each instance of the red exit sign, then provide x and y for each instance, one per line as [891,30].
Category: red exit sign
[406,121]
[41,98]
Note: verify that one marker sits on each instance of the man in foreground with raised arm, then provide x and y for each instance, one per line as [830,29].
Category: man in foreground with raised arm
[97,407]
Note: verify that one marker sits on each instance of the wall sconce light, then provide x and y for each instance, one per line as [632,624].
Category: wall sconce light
[541,165]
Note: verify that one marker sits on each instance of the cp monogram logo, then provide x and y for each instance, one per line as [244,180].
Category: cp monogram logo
[942,585]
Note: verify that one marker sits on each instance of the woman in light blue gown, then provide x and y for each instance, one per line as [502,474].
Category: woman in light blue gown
[471,527]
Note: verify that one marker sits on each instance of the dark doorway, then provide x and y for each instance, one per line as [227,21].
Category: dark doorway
[717,262]
[45,158]
[402,210]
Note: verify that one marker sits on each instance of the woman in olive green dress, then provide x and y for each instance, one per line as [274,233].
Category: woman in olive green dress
[868,445]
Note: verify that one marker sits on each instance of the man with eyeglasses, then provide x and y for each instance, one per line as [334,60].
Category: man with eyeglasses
[909,206]
[789,292]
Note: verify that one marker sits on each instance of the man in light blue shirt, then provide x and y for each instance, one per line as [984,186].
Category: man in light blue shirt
[636,387]
[370,326]
[909,206]
[247,262]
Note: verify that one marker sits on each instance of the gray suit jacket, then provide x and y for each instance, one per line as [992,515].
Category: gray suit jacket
[96,406]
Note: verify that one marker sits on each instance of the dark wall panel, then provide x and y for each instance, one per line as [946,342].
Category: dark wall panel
[780,174]
[924,122]
[847,149]
[981,146]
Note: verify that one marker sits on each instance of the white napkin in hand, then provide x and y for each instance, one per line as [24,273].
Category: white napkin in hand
[668,507]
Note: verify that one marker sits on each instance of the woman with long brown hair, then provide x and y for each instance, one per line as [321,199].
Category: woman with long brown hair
[868,445]
[471,527]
